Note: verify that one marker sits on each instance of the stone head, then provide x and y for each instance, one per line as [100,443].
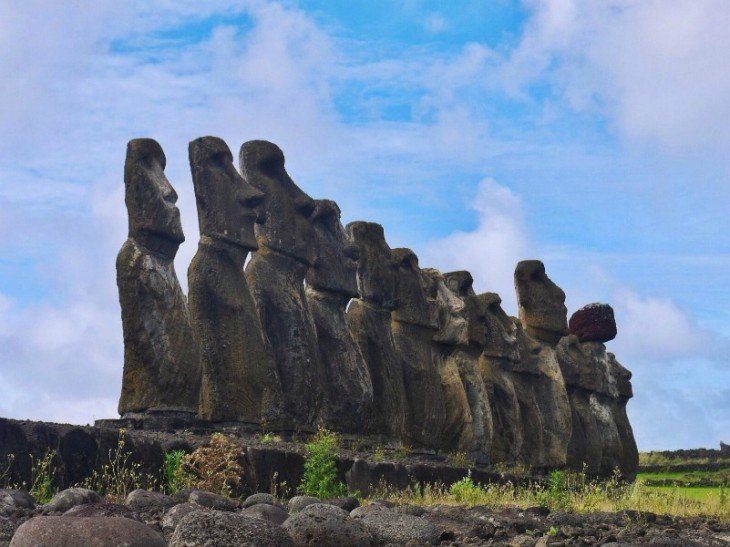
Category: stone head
[377,279]
[149,196]
[541,302]
[414,305]
[226,202]
[460,283]
[500,336]
[453,327]
[335,269]
[285,222]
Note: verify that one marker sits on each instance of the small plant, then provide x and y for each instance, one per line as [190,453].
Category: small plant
[174,476]
[119,476]
[552,532]
[42,472]
[215,467]
[378,454]
[320,467]
[459,459]
[6,470]
[270,438]
[466,491]
[402,452]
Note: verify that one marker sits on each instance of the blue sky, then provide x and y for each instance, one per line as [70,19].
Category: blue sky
[590,134]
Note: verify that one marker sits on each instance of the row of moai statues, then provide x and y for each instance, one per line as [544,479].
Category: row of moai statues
[326,325]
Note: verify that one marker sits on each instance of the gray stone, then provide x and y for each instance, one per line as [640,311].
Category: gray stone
[239,376]
[264,511]
[66,499]
[102,509]
[390,527]
[331,283]
[173,517]
[212,501]
[161,359]
[7,529]
[297,503]
[148,504]
[414,324]
[276,274]
[12,500]
[541,303]
[327,525]
[87,531]
[369,323]
[261,497]
[225,529]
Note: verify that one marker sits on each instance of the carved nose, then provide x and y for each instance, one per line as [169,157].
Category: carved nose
[352,252]
[252,197]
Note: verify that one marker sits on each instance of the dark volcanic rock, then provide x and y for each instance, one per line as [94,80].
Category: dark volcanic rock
[161,360]
[148,504]
[541,302]
[297,503]
[593,323]
[414,323]
[173,517]
[326,525]
[88,531]
[12,500]
[393,528]
[222,528]
[264,511]
[276,274]
[71,497]
[369,323]
[212,501]
[261,497]
[239,376]
[102,509]
[331,283]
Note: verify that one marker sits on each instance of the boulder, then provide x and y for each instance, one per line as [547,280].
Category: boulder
[212,501]
[66,499]
[222,528]
[393,528]
[7,529]
[148,504]
[327,525]
[297,503]
[12,500]
[173,517]
[593,323]
[102,509]
[261,497]
[87,531]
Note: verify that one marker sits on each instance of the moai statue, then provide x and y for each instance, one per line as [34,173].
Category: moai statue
[331,283]
[161,360]
[499,357]
[629,459]
[414,324]
[369,323]
[276,275]
[458,430]
[467,358]
[239,381]
[541,303]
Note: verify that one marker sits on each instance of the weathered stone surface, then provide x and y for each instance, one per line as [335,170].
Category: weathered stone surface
[467,360]
[414,324]
[264,511]
[594,322]
[239,375]
[327,525]
[260,497]
[88,531]
[7,529]
[457,432]
[173,517]
[102,509]
[369,323]
[225,529]
[392,528]
[161,359]
[347,503]
[331,283]
[276,274]
[297,503]
[12,500]
[148,504]
[541,302]
[66,499]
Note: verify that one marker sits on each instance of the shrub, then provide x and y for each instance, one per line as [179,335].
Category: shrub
[270,438]
[465,491]
[320,467]
[42,472]
[174,476]
[216,467]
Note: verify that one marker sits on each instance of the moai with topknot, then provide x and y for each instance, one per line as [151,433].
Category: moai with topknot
[276,273]
[239,377]
[161,360]
[331,283]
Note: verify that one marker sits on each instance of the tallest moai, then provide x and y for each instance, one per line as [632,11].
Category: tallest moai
[161,361]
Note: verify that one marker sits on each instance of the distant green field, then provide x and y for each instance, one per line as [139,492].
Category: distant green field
[702,486]
[693,478]
[697,493]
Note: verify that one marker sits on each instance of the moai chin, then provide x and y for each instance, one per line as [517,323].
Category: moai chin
[467,357]
[276,275]
[161,359]
[369,323]
[452,334]
[239,380]
[331,283]
[541,303]
[414,323]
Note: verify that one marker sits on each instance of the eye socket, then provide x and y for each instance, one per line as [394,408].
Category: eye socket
[304,205]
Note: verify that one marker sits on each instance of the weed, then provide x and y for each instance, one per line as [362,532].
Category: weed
[174,477]
[216,467]
[465,491]
[320,467]
[378,454]
[401,452]
[42,472]
[459,459]
[6,471]
[270,438]
[552,531]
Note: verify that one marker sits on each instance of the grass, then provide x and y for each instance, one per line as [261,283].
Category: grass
[572,492]
[320,468]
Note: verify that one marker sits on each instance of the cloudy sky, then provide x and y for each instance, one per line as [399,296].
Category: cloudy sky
[591,134]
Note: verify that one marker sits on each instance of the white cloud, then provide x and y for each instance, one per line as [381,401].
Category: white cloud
[435,23]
